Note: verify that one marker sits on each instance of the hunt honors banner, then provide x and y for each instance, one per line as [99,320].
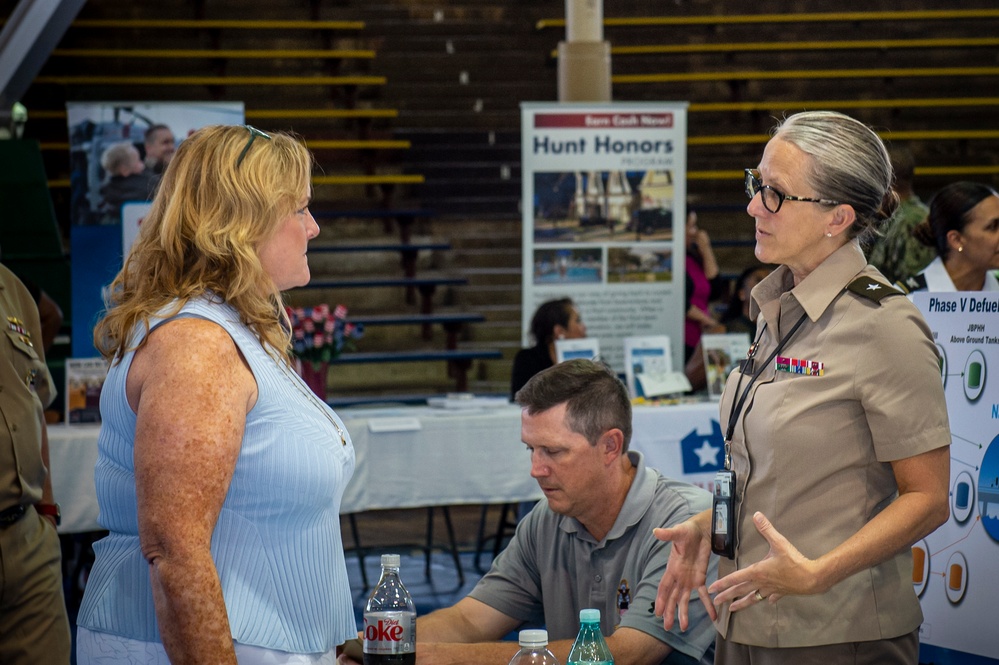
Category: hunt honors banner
[956,568]
[604,189]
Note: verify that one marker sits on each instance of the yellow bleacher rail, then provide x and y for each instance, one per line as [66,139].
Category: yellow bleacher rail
[356,54]
[922,135]
[187,24]
[784,105]
[260,114]
[212,80]
[737,175]
[386,179]
[371,144]
[882,72]
[814,17]
[837,45]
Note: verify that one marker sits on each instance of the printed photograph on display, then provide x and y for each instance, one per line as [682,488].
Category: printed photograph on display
[638,264]
[99,132]
[564,266]
[722,353]
[602,206]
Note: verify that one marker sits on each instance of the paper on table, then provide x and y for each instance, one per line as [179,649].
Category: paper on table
[399,424]
[475,402]
[667,383]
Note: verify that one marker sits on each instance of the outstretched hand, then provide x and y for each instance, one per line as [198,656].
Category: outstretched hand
[782,572]
[686,570]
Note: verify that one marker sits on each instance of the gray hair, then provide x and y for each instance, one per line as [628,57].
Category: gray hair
[116,156]
[849,164]
[596,399]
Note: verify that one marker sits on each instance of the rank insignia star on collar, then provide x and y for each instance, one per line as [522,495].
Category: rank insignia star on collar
[871,289]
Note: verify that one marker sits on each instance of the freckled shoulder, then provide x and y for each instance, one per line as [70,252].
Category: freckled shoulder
[872,289]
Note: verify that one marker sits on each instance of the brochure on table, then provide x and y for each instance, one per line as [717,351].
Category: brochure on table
[646,357]
[604,190]
[84,381]
[956,568]
[587,348]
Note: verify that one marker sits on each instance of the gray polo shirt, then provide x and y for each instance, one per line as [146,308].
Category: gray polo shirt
[553,568]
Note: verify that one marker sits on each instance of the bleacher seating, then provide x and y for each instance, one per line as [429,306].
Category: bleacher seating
[922,75]
[325,74]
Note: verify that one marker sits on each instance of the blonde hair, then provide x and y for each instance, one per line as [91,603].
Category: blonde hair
[211,213]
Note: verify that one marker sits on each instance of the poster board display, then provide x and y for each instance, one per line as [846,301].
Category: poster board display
[604,205]
[956,568]
[106,214]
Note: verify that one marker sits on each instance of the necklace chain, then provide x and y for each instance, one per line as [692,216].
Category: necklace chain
[311,396]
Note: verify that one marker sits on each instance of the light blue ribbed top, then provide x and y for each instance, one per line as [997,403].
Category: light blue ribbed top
[277,543]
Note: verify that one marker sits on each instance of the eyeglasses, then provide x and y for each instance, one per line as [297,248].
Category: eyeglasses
[773,199]
[254,133]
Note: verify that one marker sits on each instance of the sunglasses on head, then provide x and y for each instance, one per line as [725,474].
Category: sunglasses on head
[254,133]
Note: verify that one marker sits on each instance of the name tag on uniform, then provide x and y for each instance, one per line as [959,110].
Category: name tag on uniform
[798,366]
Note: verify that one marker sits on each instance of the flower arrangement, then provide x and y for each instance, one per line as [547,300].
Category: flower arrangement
[318,335]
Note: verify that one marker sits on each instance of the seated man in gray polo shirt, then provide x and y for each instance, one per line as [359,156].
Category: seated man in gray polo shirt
[589,544]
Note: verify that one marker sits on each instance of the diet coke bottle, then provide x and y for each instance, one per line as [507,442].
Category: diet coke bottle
[390,620]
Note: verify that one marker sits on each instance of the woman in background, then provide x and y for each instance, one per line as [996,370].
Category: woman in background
[702,285]
[555,319]
[219,473]
[736,318]
[963,227]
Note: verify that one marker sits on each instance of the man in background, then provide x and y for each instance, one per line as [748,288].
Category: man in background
[127,179]
[897,254]
[160,146]
[34,627]
[588,544]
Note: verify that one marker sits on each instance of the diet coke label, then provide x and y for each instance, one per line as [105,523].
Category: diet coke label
[389,632]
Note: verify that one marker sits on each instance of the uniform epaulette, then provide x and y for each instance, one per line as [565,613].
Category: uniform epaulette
[910,284]
[872,289]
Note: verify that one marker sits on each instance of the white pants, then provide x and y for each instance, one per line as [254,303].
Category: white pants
[93,648]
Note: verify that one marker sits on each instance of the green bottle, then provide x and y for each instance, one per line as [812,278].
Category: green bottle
[590,648]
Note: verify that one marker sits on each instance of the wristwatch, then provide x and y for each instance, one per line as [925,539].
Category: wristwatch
[50,509]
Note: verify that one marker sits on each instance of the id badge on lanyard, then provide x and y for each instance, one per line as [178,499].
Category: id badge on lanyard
[723,514]
[723,501]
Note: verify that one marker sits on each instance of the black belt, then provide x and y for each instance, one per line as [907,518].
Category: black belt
[11,515]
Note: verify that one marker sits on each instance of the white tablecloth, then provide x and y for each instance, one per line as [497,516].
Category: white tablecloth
[434,457]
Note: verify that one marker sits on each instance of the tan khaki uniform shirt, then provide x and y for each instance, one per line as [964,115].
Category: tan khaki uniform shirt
[812,453]
[25,390]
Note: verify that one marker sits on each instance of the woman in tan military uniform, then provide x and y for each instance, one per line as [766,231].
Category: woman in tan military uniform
[839,441]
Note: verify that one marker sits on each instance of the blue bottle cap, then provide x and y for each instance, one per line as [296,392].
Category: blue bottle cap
[589,615]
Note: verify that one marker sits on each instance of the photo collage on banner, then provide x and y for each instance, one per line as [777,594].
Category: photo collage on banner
[114,173]
[956,568]
[604,202]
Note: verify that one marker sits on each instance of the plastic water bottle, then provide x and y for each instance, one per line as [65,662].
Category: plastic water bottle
[534,649]
[590,646]
[390,619]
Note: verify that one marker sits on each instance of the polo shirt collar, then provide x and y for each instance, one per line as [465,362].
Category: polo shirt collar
[817,291]
[636,503]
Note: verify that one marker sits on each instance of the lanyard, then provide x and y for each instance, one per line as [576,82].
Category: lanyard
[733,415]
